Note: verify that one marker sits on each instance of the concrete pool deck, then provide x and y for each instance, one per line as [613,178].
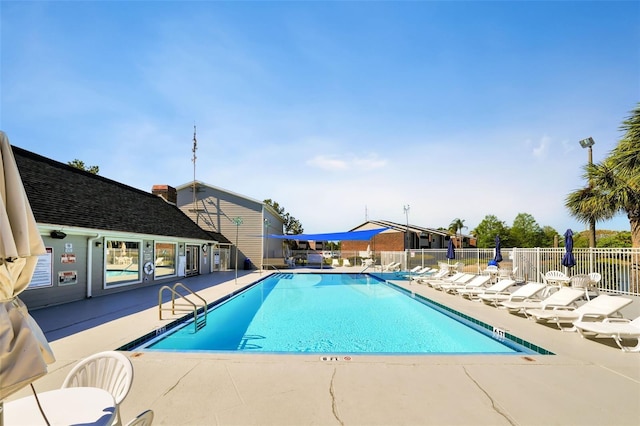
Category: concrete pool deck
[587,382]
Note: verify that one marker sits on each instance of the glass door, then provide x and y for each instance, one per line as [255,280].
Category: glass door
[192,257]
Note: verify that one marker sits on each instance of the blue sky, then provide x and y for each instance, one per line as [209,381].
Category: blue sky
[336,110]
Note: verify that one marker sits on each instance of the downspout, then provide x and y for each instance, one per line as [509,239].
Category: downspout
[90,242]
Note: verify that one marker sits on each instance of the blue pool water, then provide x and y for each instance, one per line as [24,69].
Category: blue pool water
[329,313]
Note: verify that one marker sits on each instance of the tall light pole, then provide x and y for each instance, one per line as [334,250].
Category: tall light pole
[406,214]
[238,222]
[266,233]
[588,143]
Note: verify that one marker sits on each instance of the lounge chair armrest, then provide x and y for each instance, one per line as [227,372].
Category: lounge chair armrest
[590,316]
[616,320]
[559,307]
[524,298]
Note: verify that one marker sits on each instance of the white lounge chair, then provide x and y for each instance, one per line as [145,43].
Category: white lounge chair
[345,262]
[564,297]
[335,263]
[474,293]
[466,280]
[392,267]
[600,307]
[526,292]
[616,328]
[436,283]
[437,276]
[421,272]
[413,271]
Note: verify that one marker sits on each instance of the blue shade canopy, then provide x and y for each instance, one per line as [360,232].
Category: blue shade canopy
[334,236]
[568,260]
[498,257]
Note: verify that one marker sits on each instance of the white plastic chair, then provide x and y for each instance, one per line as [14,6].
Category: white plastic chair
[345,262]
[109,370]
[143,419]
[595,278]
[583,282]
[556,278]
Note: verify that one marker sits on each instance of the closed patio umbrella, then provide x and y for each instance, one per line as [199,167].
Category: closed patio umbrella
[498,256]
[451,251]
[568,260]
[24,351]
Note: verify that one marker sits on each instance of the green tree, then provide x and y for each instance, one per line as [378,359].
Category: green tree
[455,227]
[580,240]
[614,183]
[525,231]
[79,164]
[487,230]
[291,224]
[549,237]
[613,239]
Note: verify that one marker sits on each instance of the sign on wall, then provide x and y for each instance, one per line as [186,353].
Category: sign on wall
[43,274]
[67,258]
[67,277]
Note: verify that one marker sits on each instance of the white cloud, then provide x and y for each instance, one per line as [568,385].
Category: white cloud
[336,163]
[541,148]
[328,163]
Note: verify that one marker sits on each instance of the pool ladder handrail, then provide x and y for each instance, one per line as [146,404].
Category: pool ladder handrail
[273,266]
[366,267]
[184,307]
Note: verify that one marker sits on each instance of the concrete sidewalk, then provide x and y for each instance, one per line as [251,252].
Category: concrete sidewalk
[587,382]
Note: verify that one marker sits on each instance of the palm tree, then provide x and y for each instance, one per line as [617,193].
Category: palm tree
[456,225]
[615,183]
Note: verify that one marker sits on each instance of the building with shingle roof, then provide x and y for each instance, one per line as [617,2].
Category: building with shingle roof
[103,236]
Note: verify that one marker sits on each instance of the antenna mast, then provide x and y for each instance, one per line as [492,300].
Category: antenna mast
[195,147]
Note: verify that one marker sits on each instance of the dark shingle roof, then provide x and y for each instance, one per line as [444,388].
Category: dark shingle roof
[63,195]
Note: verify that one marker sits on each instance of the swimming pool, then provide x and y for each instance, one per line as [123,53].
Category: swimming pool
[332,313]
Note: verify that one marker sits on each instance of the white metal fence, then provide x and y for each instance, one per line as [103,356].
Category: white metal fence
[619,267]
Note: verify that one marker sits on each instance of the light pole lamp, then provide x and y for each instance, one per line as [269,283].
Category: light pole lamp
[266,233]
[406,214]
[238,222]
[588,143]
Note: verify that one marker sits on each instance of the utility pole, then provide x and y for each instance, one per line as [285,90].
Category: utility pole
[195,147]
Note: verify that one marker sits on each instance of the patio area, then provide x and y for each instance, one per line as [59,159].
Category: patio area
[586,383]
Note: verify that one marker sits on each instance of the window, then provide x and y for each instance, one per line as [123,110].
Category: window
[123,262]
[165,259]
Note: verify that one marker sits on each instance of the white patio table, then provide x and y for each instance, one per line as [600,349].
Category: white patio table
[66,406]
[559,281]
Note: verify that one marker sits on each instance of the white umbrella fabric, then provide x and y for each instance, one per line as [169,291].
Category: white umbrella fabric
[24,351]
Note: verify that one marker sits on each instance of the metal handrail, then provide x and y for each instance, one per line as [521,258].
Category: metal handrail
[193,306]
[273,266]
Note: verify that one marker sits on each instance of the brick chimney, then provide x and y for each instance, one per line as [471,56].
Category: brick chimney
[167,192]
